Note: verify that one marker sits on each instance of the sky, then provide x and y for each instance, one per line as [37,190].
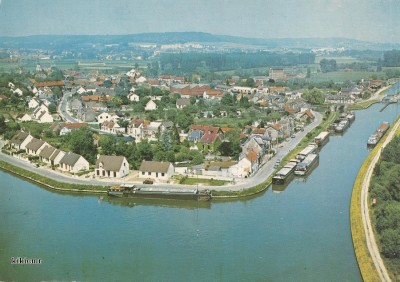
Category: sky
[369,20]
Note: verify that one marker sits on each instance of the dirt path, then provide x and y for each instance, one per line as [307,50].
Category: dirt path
[371,243]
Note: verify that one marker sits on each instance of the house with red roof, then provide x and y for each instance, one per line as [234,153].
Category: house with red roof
[209,142]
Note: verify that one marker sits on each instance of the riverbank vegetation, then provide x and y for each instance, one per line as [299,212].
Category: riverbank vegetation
[364,259]
[51,183]
[385,192]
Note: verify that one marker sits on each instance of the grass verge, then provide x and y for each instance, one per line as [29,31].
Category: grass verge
[51,183]
[211,182]
[365,263]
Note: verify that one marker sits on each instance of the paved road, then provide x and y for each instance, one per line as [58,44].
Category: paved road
[63,108]
[264,172]
[369,233]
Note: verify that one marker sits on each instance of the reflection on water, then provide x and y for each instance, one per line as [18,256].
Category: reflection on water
[301,234]
[135,202]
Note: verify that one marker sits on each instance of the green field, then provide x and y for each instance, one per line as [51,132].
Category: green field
[342,76]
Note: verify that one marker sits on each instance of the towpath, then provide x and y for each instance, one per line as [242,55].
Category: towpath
[369,233]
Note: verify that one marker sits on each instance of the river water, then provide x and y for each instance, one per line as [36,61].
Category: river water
[299,234]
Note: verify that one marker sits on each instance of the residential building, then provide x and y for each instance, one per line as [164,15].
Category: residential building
[156,170]
[73,163]
[133,97]
[182,102]
[111,166]
[135,128]
[34,147]
[69,127]
[33,103]
[150,106]
[20,140]
[112,127]
[46,153]
[209,142]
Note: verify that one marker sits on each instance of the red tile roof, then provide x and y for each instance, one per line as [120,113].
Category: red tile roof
[75,125]
[209,138]
[252,156]
[49,83]
[205,128]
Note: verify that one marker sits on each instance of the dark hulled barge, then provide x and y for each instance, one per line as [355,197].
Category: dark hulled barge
[378,134]
[322,138]
[125,191]
[284,175]
[306,165]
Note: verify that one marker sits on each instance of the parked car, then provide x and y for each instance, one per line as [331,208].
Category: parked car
[148,181]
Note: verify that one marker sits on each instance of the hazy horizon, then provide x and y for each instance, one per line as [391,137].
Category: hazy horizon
[370,20]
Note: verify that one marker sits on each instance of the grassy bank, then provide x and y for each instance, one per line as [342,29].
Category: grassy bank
[51,183]
[205,181]
[364,259]
[362,105]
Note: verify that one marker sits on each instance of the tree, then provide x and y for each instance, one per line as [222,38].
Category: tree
[52,108]
[144,150]
[390,242]
[315,96]
[81,142]
[3,125]
[107,144]
[328,65]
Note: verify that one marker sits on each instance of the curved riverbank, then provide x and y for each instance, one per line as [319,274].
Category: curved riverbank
[361,230]
[227,192]
[51,183]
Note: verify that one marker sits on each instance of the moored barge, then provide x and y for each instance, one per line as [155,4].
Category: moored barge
[378,134]
[322,138]
[306,165]
[284,174]
[126,191]
[311,148]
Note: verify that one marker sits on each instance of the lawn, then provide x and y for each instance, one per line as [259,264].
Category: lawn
[211,182]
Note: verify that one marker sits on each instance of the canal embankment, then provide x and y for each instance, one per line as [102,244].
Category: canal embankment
[366,250]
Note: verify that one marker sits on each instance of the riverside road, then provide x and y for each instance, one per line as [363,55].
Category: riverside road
[259,177]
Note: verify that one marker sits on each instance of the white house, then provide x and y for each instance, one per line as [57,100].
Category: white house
[150,106]
[33,103]
[20,140]
[104,117]
[35,147]
[141,80]
[44,116]
[112,166]
[46,153]
[81,91]
[241,169]
[11,85]
[25,117]
[18,92]
[112,127]
[133,97]
[56,157]
[135,129]
[72,162]
[156,170]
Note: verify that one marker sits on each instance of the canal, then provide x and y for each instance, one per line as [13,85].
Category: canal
[299,234]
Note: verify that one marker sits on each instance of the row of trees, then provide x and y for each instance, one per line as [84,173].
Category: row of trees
[183,63]
[386,189]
